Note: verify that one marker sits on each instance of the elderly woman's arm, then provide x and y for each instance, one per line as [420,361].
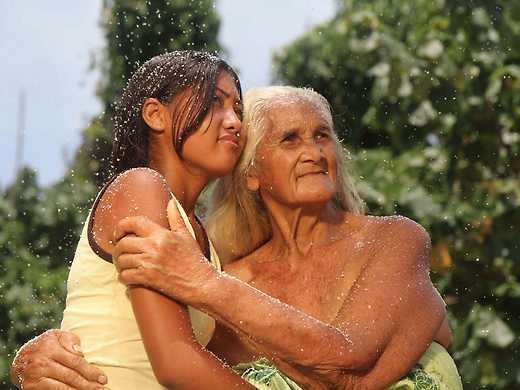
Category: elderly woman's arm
[53,360]
[392,301]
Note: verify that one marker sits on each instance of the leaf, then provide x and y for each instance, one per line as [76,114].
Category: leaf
[493,329]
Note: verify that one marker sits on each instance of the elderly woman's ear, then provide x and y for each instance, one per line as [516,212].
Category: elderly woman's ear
[252,182]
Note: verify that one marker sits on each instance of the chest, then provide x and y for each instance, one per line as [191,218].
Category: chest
[318,287]
[319,283]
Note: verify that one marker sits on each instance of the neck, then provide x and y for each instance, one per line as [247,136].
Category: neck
[295,231]
[185,184]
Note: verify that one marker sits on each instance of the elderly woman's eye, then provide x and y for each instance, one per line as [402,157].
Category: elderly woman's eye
[321,135]
[290,136]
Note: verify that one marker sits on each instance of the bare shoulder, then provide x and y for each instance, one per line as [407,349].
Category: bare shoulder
[138,181]
[136,192]
[399,238]
[399,225]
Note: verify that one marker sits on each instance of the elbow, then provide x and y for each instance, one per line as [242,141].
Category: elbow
[361,356]
[167,379]
[341,377]
[173,378]
[346,370]
[174,382]
[352,372]
[179,369]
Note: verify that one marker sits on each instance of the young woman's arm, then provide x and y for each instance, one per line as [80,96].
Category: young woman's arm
[178,361]
[392,300]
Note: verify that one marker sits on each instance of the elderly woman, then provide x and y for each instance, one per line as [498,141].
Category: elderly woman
[333,298]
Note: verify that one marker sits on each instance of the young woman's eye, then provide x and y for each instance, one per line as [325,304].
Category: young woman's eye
[239,111]
[217,100]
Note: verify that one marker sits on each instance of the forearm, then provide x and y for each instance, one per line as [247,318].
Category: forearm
[282,331]
[197,368]
[178,361]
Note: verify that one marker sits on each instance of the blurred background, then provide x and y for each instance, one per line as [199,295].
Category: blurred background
[425,95]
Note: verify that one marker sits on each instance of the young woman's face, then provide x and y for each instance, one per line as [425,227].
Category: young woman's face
[214,148]
[296,159]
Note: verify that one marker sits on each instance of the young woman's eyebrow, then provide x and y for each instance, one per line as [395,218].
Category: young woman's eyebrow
[226,94]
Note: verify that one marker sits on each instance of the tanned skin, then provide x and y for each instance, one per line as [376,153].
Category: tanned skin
[336,300]
[332,298]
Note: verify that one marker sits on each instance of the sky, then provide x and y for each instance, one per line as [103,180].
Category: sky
[47,50]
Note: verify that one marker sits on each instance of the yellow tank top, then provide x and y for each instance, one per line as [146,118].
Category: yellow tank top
[99,311]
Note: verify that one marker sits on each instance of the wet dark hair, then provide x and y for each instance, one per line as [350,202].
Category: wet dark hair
[163,77]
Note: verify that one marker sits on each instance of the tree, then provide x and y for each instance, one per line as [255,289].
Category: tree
[38,236]
[135,31]
[427,94]
[41,226]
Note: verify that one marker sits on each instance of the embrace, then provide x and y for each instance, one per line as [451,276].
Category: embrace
[292,287]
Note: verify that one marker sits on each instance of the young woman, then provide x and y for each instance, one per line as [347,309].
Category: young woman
[177,127]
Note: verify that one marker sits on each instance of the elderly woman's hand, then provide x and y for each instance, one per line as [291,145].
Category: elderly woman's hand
[54,360]
[169,261]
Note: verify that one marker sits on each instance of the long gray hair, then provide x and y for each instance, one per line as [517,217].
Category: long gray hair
[237,218]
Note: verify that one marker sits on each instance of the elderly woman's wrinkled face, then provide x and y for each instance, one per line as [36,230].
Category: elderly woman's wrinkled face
[295,163]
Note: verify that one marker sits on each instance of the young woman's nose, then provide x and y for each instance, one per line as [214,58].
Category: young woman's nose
[232,121]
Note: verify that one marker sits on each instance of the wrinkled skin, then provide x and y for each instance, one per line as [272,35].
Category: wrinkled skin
[54,360]
[339,273]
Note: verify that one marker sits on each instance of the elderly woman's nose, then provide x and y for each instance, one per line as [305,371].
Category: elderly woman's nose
[311,150]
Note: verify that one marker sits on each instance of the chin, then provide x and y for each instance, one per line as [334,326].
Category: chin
[315,198]
[220,170]
[317,191]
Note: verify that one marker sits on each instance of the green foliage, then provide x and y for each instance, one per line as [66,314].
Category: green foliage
[136,31]
[427,95]
[37,240]
[40,226]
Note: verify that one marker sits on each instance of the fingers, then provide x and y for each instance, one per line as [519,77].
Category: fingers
[127,261]
[140,226]
[45,373]
[129,244]
[134,277]
[69,341]
[74,370]
[53,357]
[56,376]
[49,384]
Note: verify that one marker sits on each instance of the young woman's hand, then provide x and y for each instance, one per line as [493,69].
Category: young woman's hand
[54,360]
[169,261]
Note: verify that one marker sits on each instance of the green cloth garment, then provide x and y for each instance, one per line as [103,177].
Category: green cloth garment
[265,376]
[434,371]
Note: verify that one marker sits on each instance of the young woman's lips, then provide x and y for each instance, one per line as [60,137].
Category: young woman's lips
[229,139]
